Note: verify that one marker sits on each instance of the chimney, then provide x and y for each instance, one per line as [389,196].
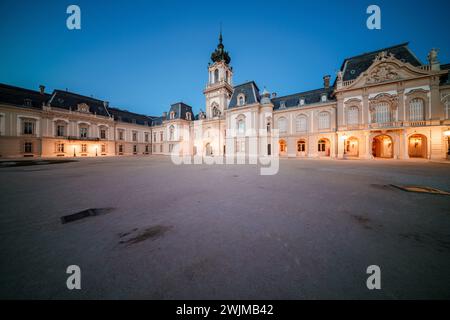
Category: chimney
[274,95]
[42,89]
[326,81]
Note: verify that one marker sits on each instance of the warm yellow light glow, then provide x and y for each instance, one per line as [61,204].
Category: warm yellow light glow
[447,133]
[344,137]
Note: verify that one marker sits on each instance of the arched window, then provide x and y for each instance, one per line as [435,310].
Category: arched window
[324,120]
[382,113]
[171,132]
[241,126]
[353,115]
[172,114]
[301,124]
[269,125]
[226,76]
[321,146]
[416,110]
[282,125]
[241,100]
[301,145]
[216,75]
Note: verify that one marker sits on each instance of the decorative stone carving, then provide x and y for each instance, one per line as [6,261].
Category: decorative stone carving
[432,56]
[383,72]
[83,107]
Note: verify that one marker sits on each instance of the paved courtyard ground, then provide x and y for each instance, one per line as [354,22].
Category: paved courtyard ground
[224,232]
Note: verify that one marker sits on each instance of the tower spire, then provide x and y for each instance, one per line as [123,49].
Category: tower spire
[220,54]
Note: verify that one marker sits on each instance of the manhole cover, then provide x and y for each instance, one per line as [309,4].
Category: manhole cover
[421,189]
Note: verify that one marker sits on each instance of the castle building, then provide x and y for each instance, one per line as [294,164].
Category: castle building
[381,104]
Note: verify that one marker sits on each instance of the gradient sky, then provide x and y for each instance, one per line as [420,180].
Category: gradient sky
[144,55]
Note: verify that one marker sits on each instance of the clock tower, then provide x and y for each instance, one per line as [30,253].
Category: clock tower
[220,82]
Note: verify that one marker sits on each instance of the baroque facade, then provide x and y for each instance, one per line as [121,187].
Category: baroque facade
[382,104]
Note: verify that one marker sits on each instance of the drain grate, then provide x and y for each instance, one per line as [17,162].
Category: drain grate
[421,189]
[84,214]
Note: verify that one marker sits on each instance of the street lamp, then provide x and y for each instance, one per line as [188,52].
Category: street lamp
[447,134]
[74,152]
[344,137]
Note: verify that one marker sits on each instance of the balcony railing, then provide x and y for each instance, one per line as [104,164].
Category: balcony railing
[82,138]
[393,124]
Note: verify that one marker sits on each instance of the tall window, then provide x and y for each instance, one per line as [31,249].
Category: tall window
[382,113]
[171,133]
[120,148]
[120,134]
[353,115]
[84,148]
[102,133]
[154,137]
[28,147]
[300,124]
[60,147]
[161,136]
[60,130]
[324,120]
[301,146]
[103,148]
[321,146]
[241,126]
[28,127]
[134,136]
[134,149]
[216,75]
[146,137]
[447,108]
[83,132]
[282,125]
[416,110]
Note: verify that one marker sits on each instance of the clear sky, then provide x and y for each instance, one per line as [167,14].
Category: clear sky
[144,55]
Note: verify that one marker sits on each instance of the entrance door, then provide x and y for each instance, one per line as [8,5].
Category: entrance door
[417,146]
[382,147]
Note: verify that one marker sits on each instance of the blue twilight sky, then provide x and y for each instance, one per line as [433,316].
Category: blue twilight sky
[144,55]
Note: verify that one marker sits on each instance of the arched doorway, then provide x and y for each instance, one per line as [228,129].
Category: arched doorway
[283,148]
[301,148]
[383,147]
[208,149]
[352,147]
[323,147]
[417,146]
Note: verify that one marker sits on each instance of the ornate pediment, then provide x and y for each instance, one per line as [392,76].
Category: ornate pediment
[385,68]
[83,107]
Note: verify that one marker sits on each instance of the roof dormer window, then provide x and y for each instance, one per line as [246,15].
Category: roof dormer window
[172,115]
[188,116]
[241,99]
[282,104]
[302,101]
[324,97]
[27,102]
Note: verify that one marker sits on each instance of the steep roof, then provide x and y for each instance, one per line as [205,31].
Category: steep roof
[130,117]
[70,101]
[249,89]
[354,66]
[311,97]
[446,78]
[180,109]
[21,97]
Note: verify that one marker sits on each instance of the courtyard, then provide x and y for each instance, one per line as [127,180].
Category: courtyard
[163,231]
